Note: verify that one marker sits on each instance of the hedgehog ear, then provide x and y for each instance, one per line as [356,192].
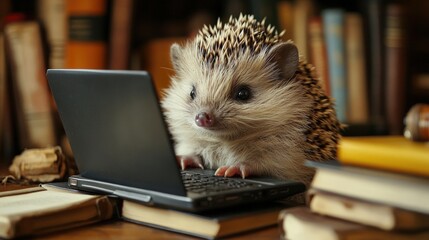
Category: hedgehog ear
[285,56]
[175,52]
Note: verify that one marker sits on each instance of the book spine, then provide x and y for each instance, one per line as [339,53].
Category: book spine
[53,16]
[285,13]
[303,10]
[120,34]
[318,52]
[356,70]
[32,98]
[87,34]
[395,68]
[333,24]
[374,13]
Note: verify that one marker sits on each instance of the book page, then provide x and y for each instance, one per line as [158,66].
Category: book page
[35,202]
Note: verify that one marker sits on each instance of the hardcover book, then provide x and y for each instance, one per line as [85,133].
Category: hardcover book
[300,223]
[390,153]
[213,224]
[333,26]
[37,211]
[365,212]
[394,189]
[32,99]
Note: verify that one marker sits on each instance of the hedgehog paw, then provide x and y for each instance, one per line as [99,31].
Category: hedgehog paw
[231,171]
[190,162]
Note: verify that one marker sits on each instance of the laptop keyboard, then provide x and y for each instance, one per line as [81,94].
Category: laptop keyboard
[202,183]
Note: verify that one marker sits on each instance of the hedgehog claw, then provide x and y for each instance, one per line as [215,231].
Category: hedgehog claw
[190,162]
[231,171]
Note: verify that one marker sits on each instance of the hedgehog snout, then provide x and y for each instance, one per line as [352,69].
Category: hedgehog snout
[205,119]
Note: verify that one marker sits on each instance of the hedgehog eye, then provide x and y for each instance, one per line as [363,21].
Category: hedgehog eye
[243,93]
[193,93]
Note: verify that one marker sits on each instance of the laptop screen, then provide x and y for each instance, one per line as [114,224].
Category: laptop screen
[116,128]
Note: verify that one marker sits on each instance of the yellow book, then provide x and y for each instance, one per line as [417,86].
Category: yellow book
[391,153]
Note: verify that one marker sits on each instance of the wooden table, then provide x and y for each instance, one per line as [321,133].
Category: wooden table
[118,229]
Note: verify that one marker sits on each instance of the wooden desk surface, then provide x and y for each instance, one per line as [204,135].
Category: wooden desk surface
[118,229]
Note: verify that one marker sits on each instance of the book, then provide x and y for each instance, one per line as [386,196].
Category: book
[394,189]
[37,211]
[157,61]
[396,67]
[285,15]
[373,15]
[303,11]
[32,100]
[86,45]
[318,55]
[7,126]
[333,26]
[390,153]
[300,223]
[3,86]
[52,13]
[367,213]
[120,34]
[213,224]
[357,94]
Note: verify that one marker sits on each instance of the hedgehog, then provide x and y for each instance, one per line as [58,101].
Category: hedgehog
[244,103]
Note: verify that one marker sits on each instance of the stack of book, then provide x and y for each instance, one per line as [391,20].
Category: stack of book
[379,189]
[53,207]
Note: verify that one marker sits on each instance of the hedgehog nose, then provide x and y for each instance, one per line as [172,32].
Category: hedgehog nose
[204,119]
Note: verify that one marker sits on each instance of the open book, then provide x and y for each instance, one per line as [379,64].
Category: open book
[37,210]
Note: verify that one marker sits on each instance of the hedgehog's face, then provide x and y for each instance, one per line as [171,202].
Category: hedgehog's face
[250,95]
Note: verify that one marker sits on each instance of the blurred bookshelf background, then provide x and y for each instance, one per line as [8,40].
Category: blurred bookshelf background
[372,55]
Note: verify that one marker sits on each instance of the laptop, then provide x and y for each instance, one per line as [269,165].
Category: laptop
[122,146]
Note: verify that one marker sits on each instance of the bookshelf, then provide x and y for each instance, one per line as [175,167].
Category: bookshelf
[393,44]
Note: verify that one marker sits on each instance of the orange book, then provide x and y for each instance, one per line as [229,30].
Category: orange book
[86,46]
[390,153]
[158,63]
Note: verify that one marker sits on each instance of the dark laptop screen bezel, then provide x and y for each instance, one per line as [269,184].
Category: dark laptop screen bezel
[113,121]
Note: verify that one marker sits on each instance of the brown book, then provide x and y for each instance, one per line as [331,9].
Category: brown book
[365,212]
[86,46]
[157,61]
[33,102]
[37,211]
[303,11]
[395,70]
[357,91]
[285,13]
[318,55]
[120,34]
[209,225]
[3,86]
[300,223]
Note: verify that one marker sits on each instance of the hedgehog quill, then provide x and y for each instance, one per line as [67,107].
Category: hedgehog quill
[244,103]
